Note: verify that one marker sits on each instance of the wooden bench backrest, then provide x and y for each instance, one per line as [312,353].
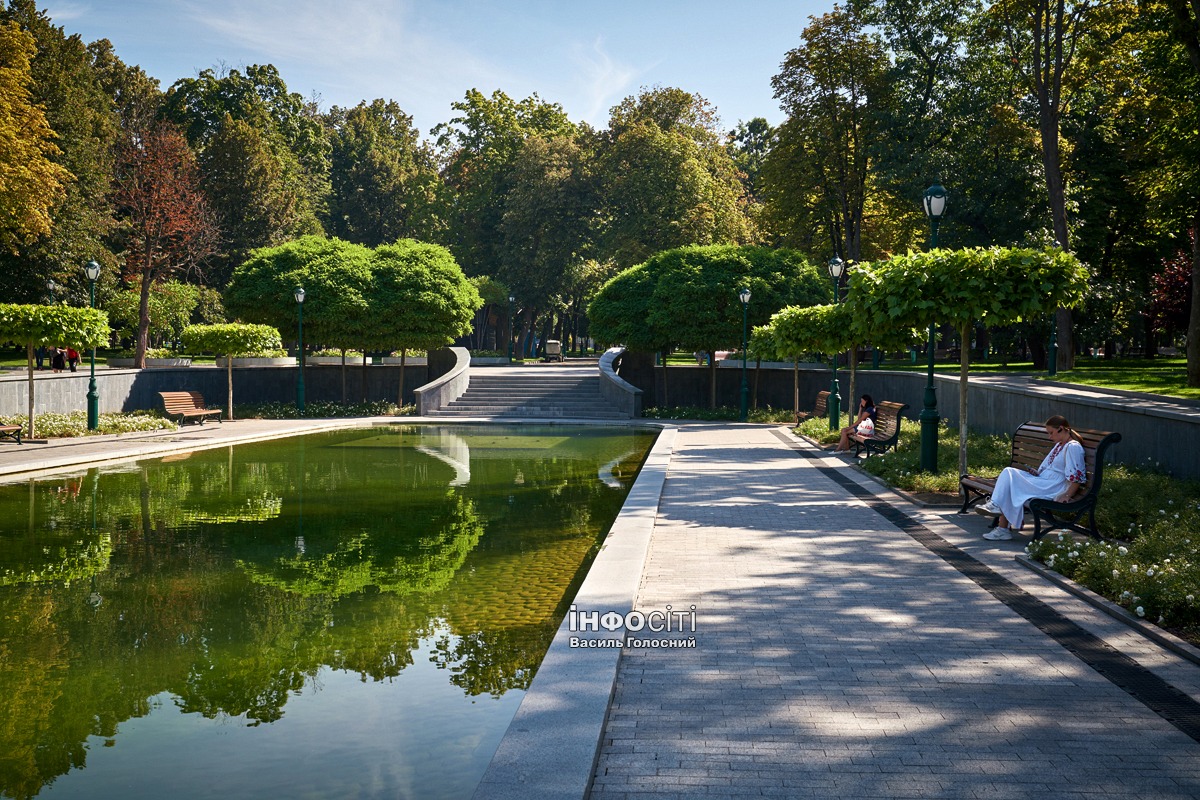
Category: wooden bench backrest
[177,402]
[887,418]
[1031,443]
[821,408]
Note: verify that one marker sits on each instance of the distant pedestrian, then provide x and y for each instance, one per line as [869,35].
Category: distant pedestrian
[72,358]
[58,359]
[40,354]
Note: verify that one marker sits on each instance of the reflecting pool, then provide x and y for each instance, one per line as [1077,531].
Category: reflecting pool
[351,614]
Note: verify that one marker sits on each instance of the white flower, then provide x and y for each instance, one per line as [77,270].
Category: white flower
[1141,612]
[1050,561]
[1191,598]
[1133,569]
[1170,502]
[1123,550]
[1125,594]
[1116,573]
[1150,573]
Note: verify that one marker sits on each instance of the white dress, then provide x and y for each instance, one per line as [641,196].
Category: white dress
[1061,466]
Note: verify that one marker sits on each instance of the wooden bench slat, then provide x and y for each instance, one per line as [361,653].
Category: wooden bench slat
[188,405]
[11,432]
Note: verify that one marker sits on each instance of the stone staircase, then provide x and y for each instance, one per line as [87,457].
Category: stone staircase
[537,392]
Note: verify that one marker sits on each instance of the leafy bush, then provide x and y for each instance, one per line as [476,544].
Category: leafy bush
[330,353]
[318,410]
[74,423]
[759,415]
[489,354]
[416,353]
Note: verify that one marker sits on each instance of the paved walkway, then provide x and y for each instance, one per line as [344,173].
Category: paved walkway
[837,656]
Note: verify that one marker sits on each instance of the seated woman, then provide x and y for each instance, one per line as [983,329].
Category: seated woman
[866,411]
[1060,477]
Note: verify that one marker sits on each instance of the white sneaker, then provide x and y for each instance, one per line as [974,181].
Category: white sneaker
[987,509]
[998,535]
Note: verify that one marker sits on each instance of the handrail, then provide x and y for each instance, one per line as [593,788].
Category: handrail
[443,390]
[624,395]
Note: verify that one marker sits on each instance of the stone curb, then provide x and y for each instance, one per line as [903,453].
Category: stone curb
[550,748]
[1151,631]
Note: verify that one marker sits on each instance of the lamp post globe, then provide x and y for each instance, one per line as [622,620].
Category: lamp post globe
[935,207]
[744,296]
[92,270]
[836,267]
[299,295]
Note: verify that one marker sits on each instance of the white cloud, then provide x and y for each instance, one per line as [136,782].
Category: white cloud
[604,80]
[66,12]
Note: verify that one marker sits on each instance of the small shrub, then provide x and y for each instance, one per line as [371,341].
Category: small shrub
[74,423]
[321,409]
[328,352]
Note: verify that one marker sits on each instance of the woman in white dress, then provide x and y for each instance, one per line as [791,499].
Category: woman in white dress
[1060,477]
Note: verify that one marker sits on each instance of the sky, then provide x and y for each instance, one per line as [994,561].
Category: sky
[586,55]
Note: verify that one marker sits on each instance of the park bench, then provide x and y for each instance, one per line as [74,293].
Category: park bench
[887,429]
[1030,444]
[11,432]
[820,408]
[188,405]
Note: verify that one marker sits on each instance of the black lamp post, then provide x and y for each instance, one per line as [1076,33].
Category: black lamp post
[835,267]
[744,296]
[299,295]
[511,300]
[51,286]
[935,207]
[92,270]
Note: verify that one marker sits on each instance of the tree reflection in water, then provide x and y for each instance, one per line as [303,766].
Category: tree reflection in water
[231,578]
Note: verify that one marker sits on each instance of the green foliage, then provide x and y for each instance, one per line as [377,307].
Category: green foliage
[171,307]
[995,285]
[419,297]
[81,328]
[74,423]
[759,415]
[324,409]
[230,338]
[1156,574]
[901,467]
[336,277]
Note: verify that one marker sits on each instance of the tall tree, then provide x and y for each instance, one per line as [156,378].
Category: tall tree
[244,179]
[168,227]
[1058,47]
[384,178]
[821,173]
[479,148]
[64,84]
[33,184]
[665,179]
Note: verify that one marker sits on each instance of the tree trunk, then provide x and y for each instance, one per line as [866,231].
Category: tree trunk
[963,371]
[343,376]
[403,355]
[852,397]
[796,387]
[29,361]
[1193,334]
[712,379]
[666,402]
[757,374]
[364,377]
[143,334]
[229,385]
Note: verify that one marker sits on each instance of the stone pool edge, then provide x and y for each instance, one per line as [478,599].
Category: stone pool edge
[549,750]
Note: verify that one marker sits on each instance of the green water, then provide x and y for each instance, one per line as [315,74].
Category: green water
[352,614]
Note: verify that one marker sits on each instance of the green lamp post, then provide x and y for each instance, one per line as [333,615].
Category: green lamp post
[835,266]
[744,296]
[299,295]
[92,270]
[935,207]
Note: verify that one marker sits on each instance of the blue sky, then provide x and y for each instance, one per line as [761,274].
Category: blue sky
[586,56]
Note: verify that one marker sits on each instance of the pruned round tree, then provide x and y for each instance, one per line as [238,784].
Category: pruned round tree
[995,285]
[36,326]
[230,339]
[419,298]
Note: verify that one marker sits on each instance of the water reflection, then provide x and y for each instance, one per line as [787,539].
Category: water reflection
[230,583]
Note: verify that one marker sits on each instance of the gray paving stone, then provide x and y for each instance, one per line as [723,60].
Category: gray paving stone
[837,657]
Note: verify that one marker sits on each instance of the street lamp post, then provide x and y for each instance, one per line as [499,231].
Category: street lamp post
[511,300]
[744,296]
[835,267]
[92,271]
[299,295]
[935,207]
